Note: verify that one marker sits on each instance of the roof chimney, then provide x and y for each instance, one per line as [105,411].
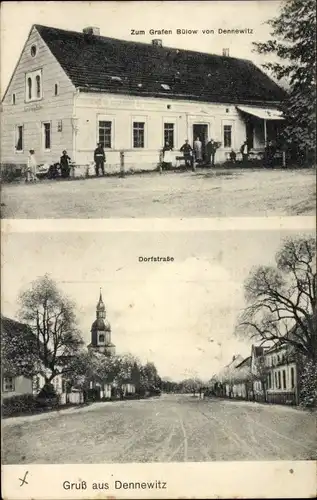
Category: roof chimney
[92,30]
[225,52]
[157,42]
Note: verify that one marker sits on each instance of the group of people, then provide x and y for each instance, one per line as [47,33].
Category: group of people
[192,155]
[64,166]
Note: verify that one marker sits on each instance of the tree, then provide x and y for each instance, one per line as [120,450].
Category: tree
[51,317]
[293,42]
[18,349]
[282,299]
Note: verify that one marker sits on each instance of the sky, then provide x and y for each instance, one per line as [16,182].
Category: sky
[180,315]
[117,19]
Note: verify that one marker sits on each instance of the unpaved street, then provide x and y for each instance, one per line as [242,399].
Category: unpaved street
[173,428]
[220,193]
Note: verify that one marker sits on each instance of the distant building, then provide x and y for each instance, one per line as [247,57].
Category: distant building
[269,374]
[72,90]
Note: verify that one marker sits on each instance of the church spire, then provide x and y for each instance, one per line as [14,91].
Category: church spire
[100,309]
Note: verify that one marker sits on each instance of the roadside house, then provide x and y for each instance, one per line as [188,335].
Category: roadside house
[71,90]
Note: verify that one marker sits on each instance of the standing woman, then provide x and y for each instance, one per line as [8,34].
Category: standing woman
[167,155]
[31,167]
[198,149]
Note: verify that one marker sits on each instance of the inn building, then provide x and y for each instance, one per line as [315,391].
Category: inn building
[71,90]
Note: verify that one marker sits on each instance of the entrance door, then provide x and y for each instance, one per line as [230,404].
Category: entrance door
[201,131]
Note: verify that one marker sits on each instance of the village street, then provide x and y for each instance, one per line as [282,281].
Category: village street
[220,193]
[173,428]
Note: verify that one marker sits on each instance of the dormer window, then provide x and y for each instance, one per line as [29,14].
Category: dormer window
[33,87]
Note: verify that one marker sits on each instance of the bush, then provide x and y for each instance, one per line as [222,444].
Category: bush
[15,405]
[11,173]
[47,396]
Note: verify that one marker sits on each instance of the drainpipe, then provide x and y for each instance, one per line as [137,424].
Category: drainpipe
[74,125]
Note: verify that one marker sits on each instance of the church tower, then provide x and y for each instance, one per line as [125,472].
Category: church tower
[101,331]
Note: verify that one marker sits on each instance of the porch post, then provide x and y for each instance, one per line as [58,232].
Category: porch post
[265,133]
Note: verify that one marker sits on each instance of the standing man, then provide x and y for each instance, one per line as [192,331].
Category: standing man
[244,150]
[187,151]
[211,152]
[99,158]
[65,164]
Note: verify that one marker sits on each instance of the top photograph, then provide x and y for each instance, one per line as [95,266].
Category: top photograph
[158,109]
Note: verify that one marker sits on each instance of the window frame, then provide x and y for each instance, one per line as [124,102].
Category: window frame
[227,125]
[34,76]
[292,377]
[168,123]
[16,128]
[101,340]
[12,384]
[44,136]
[134,129]
[109,121]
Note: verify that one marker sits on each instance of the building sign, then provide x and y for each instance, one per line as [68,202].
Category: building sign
[35,107]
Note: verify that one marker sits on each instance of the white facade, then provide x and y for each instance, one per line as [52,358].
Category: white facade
[43,111]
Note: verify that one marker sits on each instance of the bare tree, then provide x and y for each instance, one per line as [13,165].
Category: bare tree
[51,317]
[282,299]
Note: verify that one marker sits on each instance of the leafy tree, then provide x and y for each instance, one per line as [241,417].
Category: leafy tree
[293,42]
[51,317]
[18,349]
[282,299]
[308,385]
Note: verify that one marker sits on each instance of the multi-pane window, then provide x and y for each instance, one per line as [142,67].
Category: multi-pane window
[105,133]
[138,134]
[47,135]
[19,138]
[227,136]
[8,384]
[169,134]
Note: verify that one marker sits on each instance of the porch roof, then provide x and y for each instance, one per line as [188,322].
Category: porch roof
[263,113]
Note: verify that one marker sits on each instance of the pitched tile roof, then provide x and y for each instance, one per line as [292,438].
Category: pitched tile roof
[101,64]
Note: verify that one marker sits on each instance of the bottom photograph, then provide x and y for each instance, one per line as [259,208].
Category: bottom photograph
[121,347]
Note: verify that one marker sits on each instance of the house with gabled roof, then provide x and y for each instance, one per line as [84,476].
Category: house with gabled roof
[70,91]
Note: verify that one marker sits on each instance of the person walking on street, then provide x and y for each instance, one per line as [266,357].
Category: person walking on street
[31,167]
[65,165]
[187,151]
[99,158]
[198,150]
